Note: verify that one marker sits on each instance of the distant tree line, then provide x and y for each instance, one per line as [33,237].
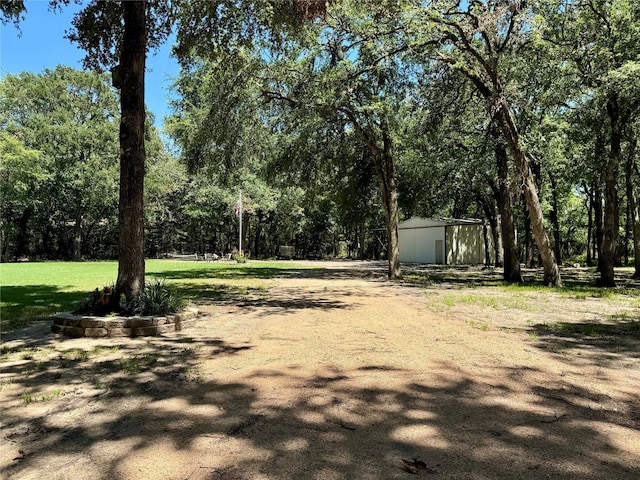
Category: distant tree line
[336,119]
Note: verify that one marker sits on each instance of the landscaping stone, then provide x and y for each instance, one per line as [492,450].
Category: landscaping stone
[70,325]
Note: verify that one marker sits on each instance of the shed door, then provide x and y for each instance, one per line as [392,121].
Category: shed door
[439,252]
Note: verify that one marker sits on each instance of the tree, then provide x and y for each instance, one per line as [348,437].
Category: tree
[71,118]
[478,39]
[346,71]
[459,162]
[117,35]
[602,41]
[22,171]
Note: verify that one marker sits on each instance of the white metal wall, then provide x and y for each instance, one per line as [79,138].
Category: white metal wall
[418,245]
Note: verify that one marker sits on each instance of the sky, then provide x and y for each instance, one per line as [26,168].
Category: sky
[42,45]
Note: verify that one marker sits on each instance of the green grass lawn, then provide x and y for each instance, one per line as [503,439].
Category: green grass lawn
[33,291]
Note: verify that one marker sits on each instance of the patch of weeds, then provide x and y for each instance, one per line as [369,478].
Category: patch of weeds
[27,398]
[6,351]
[480,326]
[41,366]
[449,300]
[64,362]
[517,302]
[100,349]
[193,374]
[130,365]
[6,383]
[533,337]
[75,354]
[513,329]
[151,358]
[51,396]
[100,385]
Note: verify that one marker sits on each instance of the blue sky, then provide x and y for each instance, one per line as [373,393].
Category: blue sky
[42,45]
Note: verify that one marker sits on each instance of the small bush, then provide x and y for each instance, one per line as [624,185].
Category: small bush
[157,298]
[100,302]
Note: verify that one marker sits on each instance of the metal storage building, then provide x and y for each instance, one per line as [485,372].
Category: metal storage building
[447,241]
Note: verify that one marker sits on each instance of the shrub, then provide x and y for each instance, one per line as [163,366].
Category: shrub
[157,298]
[100,302]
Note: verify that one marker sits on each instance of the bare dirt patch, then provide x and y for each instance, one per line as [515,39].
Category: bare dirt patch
[338,374]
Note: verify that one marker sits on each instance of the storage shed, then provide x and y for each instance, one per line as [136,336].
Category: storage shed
[447,241]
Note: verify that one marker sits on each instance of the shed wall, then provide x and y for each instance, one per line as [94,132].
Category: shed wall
[465,245]
[418,245]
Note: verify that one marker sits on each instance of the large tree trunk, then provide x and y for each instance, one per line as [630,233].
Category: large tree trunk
[611,208]
[502,192]
[386,175]
[383,162]
[132,150]
[507,126]
[597,215]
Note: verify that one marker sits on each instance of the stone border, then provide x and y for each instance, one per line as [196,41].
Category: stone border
[78,326]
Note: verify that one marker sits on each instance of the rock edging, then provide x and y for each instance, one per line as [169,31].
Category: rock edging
[77,326]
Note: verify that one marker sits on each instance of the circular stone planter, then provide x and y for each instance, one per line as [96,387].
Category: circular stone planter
[71,325]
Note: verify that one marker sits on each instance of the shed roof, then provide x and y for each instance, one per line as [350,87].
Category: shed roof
[419,222]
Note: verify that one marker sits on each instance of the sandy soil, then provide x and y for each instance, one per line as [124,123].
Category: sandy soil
[336,374]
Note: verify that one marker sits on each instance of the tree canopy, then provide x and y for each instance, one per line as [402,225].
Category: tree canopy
[336,119]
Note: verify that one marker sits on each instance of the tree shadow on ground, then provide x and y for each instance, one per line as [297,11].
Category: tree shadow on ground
[289,300]
[462,425]
[460,276]
[350,269]
[22,304]
[612,340]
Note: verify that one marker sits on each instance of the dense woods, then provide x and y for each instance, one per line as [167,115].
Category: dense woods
[336,121]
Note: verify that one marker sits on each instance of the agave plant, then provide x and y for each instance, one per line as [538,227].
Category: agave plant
[157,298]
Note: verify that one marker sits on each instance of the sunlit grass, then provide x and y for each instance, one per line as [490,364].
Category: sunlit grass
[33,291]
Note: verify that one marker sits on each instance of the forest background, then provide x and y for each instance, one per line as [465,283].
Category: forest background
[335,121]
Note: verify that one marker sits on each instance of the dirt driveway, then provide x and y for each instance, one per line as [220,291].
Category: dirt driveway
[336,374]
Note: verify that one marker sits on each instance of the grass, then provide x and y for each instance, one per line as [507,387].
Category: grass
[33,291]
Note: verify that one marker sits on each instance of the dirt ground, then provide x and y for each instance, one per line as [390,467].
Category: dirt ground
[337,374]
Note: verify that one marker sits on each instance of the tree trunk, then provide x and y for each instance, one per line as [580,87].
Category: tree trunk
[502,193]
[489,205]
[597,214]
[508,128]
[386,174]
[256,244]
[383,162]
[611,208]
[590,235]
[77,234]
[557,250]
[634,206]
[131,268]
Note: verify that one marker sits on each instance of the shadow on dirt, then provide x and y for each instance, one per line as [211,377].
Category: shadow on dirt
[612,340]
[582,279]
[334,429]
